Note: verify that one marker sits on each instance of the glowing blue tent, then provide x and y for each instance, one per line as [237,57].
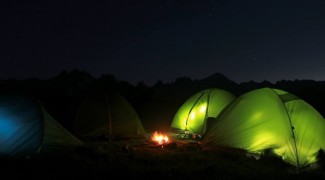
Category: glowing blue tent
[26,128]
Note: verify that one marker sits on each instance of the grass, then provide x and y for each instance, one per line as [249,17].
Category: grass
[128,159]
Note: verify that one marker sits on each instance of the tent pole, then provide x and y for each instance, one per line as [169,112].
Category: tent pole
[292,132]
[109,119]
[206,114]
[192,109]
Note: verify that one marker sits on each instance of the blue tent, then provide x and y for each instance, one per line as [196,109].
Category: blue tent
[26,128]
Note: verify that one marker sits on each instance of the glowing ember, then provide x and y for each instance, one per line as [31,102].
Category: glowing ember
[159,138]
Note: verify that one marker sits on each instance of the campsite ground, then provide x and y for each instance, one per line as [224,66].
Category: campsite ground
[138,159]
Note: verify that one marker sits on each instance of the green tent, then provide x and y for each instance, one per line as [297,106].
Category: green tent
[107,115]
[271,119]
[26,128]
[192,117]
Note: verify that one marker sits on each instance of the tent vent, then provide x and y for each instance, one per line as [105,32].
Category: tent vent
[288,97]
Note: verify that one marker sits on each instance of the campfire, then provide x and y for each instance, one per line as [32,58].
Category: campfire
[160,138]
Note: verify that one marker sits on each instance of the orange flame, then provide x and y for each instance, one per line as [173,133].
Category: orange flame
[159,138]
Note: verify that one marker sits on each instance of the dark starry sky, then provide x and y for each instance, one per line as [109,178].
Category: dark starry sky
[151,40]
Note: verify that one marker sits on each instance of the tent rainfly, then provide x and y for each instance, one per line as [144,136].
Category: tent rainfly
[108,116]
[194,115]
[271,119]
[27,129]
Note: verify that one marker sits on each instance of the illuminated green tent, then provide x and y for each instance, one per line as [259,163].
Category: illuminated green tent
[193,115]
[271,119]
[108,116]
[27,129]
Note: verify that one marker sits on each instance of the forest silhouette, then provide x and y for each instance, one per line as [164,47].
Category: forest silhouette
[156,105]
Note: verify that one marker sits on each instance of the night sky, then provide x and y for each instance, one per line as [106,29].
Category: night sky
[151,40]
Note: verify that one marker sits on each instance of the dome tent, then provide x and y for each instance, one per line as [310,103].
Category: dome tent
[271,119]
[193,115]
[108,115]
[27,129]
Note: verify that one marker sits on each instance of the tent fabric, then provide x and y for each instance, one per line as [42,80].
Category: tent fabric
[108,115]
[26,128]
[55,135]
[271,119]
[193,115]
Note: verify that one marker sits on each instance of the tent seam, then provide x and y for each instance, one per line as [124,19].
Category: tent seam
[292,129]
